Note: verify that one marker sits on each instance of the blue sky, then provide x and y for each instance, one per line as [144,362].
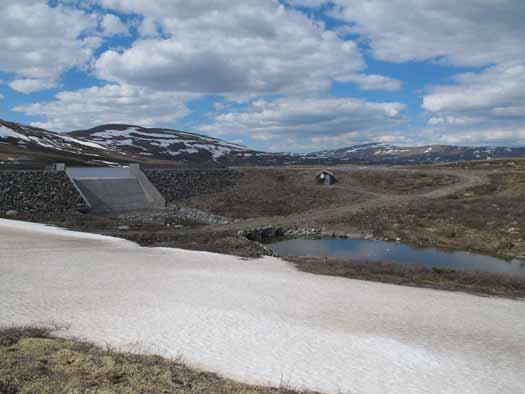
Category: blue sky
[288,75]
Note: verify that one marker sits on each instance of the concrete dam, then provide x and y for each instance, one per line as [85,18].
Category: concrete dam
[116,189]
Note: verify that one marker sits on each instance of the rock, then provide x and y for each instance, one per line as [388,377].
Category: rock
[11,213]
[38,191]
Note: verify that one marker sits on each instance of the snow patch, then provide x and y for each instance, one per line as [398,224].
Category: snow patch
[261,321]
[8,133]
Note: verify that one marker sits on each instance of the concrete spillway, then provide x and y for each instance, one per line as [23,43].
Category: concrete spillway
[116,189]
[113,194]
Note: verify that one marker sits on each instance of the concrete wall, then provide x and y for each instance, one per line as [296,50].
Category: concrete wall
[113,195]
[116,189]
[154,198]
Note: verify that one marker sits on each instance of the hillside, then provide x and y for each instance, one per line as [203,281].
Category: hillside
[163,144]
[21,143]
[376,153]
[121,143]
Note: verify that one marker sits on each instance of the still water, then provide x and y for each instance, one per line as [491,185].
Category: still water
[396,253]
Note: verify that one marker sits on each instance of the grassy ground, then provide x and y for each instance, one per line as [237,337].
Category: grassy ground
[488,218]
[34,362]
[436,278]
[397,182]
[285,191]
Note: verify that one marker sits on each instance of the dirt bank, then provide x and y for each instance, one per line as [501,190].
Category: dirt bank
[436,278]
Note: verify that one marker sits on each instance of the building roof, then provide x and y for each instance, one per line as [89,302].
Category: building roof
[326,172]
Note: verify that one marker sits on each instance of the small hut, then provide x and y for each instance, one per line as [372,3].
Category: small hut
[326,178]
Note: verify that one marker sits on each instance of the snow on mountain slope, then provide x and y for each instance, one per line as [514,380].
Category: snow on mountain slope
[164,144]
[120,143]
[377,153]
[32,137]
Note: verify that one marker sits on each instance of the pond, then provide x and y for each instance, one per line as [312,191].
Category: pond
[398,253]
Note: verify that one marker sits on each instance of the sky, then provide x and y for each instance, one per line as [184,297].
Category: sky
[275,75]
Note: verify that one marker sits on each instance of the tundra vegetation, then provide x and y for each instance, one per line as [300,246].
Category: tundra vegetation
[32,361]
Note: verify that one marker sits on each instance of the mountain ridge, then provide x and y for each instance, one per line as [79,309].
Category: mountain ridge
[116,143]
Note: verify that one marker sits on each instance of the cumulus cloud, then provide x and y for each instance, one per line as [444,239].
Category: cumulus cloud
[476,136]
[488,106]
[468,32]
[40,42]
[108,104]
[376,82]
[497,90]
[112,25]
[311,122]
[30,85]
[252,47]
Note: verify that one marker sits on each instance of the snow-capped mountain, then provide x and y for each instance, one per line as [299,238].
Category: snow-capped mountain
[377,153]
[162,144]
[119,143]
[44,145]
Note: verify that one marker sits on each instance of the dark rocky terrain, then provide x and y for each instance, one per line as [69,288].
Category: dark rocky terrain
[177,185]
[37,192]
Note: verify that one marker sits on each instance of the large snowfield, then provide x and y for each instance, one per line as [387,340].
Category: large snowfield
[260,321]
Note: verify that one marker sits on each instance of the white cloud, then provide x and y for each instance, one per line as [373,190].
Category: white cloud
[307,3]
[467,32]
[1,96]
[486,107]
[376,82]
[245,49]
[108,104]
[112,25]
[454,120]
[39,42]
[490,136]
[30,85]
[310,122]
[496,89]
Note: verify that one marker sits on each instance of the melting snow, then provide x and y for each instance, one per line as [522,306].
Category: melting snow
[261,321]
[8,133]
[82,142]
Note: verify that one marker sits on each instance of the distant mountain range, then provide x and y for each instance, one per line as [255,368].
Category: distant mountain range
[119,143]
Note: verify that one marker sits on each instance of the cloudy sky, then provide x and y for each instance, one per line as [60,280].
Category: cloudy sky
[293,75]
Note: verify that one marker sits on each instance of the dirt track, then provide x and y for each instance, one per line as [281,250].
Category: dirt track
[465,180]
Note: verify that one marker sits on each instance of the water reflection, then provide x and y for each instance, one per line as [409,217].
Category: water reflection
[396,253]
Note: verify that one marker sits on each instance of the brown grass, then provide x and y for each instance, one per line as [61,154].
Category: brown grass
[34,362]
[437,278]
[397,182]
[283,191]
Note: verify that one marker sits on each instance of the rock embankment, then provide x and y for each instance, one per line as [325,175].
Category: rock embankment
[180,184]
[37,192]
[268,232]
